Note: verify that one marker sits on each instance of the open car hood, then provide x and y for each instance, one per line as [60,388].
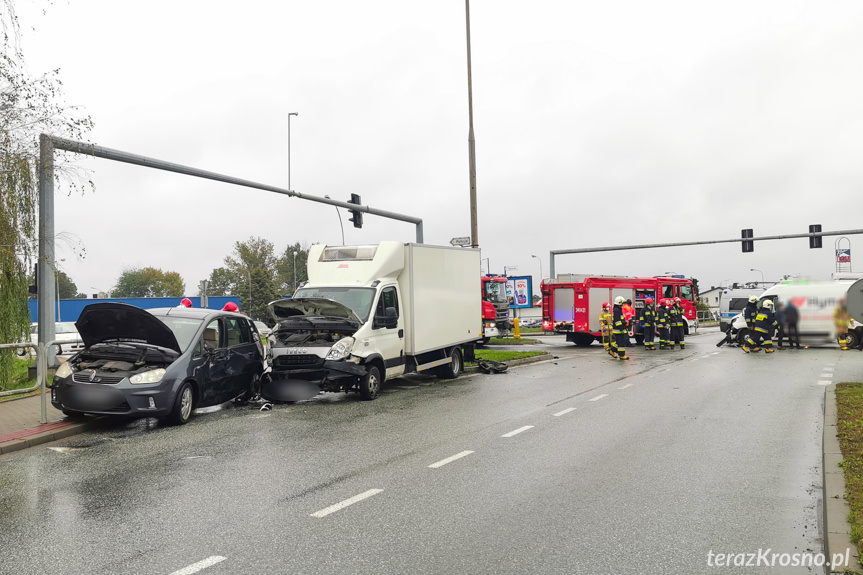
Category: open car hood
[101,322]
[315,307]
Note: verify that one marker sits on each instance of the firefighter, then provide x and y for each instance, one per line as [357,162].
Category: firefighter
[677,324]
[619,330]
[762,331]
[606,322]
[842,318]
[648,323]
[662,319]
[750,311]
[628,314]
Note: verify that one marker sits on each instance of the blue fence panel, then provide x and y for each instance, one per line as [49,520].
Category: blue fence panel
[70,309]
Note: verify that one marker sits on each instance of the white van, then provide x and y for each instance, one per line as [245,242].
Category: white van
[815,301]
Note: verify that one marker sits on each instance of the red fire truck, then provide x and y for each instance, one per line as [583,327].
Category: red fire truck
[571,304]
[494,293]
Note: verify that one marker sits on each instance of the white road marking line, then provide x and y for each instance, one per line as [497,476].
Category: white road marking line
[564,412]
[443,462]
[345,503]
[824,382]
[517,431]
[624,387]
[195,567]
[827,375]
[827,368]
[715,353]
[598,397]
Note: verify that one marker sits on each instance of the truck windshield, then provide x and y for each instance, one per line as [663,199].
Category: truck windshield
[495,292]
[358,299]
[686,292]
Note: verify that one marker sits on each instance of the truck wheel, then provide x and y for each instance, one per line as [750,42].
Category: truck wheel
[452,369]
[852,339]
[370,385]
[182,409]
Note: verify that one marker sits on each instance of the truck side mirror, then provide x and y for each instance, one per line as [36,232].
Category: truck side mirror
[389,320]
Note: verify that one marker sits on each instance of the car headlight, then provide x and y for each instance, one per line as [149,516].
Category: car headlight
[63,371]
[342,349]
[152,376]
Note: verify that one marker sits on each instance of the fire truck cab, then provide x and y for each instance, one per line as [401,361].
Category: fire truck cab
[572,304]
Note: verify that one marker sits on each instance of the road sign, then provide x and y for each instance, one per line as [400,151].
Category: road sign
[462,241]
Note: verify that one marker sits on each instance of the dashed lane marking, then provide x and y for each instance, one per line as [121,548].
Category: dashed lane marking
[824,382]
[200,565]
[443,462]
[625,386]
[341,505]
[598,397]
[564,412]
[517,431]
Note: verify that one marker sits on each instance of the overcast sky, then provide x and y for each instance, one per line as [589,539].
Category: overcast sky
[597,124]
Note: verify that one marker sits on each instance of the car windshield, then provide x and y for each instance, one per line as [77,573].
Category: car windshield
[358,299]
[184,328]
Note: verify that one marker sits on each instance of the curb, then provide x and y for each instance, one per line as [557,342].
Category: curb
[837,531]
[43,434]
[513,362]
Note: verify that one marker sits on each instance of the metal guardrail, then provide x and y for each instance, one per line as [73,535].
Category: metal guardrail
[41,373]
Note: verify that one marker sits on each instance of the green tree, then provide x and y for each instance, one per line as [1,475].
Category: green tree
[253,260]
[29,106]
[66,287]
[149,282]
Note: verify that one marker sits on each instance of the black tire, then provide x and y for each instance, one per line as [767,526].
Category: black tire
[852,339]
[639,339]
[183,405]
[452,369]
[370,385]
[742,335]
[483,341]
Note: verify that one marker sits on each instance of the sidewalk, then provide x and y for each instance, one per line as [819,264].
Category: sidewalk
[20,427]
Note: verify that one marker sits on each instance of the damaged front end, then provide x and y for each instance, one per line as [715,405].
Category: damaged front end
[310,354]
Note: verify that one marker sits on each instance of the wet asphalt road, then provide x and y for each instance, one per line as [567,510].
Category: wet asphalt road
[575,465]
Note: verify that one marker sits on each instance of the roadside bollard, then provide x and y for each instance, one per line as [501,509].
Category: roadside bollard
[516,331]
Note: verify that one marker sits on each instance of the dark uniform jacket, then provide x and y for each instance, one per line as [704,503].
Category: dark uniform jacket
[765,321]
[619,320]
[749,313]
[662,317]
[648,316]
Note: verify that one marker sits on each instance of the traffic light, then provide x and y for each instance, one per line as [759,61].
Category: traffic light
[815,242]
[357,218]
[750,245]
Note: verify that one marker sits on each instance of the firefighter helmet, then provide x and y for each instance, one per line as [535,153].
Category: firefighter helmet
[677,300]
[649,301]
[230,306]
[753,298]
[768,303]
[186,302]
[618,300]
[605,305]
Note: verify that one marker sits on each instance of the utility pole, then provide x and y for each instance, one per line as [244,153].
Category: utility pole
[474,230]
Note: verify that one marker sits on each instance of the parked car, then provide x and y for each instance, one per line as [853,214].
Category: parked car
[65,333]
[161,362]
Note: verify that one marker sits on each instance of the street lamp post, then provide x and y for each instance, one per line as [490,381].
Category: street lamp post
[759,271]
[340,221]
[295,271]
[249,273]
[289,147]
[540,267]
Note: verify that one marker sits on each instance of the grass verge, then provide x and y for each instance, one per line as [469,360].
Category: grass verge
[849,427]
[501,355]
[19,376]
[510,341]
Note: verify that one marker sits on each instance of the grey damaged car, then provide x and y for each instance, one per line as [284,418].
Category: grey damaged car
[161,362]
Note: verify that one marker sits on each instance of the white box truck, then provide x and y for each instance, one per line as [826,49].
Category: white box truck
[372,313]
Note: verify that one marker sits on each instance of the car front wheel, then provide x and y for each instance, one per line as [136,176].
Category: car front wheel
[182,410]
[370,385]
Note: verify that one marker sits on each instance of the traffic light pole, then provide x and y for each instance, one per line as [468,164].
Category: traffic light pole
[554,253]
